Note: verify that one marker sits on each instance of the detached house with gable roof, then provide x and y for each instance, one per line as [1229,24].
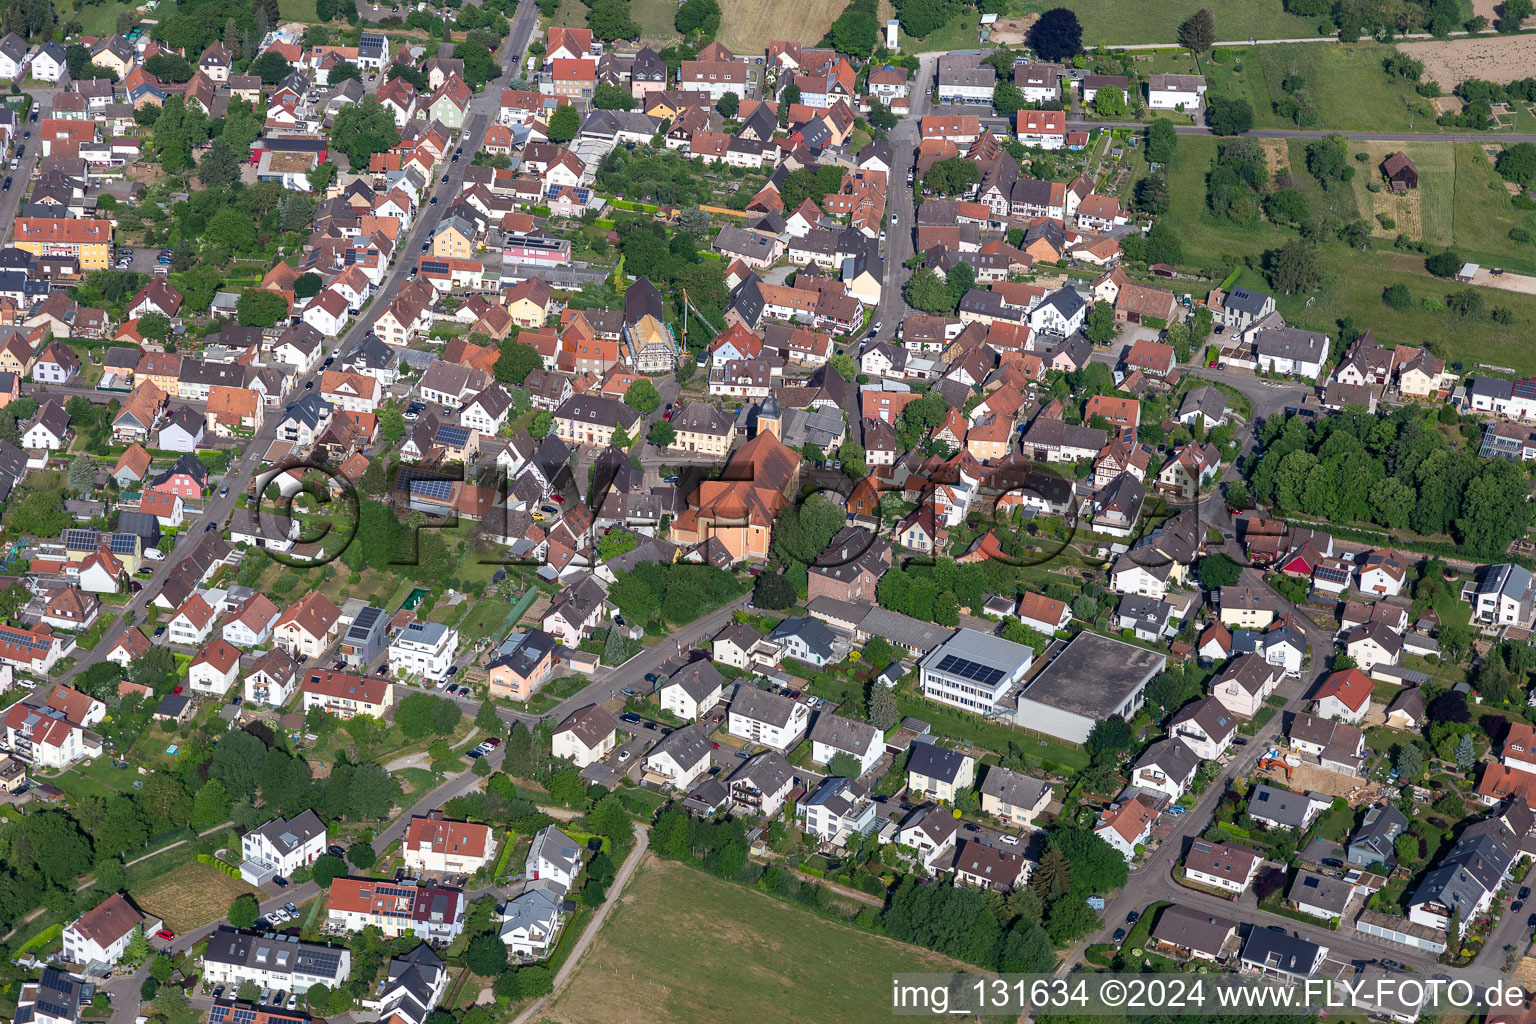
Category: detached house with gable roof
[280,847]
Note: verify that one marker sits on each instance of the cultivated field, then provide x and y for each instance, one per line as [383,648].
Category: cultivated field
[1491,58]
[748,26]
[1423,214]
[1157,21]
[191,896]
[728,953]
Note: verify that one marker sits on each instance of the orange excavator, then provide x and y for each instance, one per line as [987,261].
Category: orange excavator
[1274,760]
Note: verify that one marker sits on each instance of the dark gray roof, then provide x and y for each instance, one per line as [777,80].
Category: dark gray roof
[698,679]
[1013,788]
[1192,929]
[687,746]
[762,706]
[932,761]
[1279,952]
[844,734]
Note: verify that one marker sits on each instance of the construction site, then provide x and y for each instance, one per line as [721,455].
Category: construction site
[1301,777]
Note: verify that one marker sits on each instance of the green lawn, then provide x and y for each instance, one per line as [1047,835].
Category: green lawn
[1353,280]
[660,959]
[297,10]
[963,33]
[571,14]
[655,18]
[1124,22]
[101,19]
[1346,85]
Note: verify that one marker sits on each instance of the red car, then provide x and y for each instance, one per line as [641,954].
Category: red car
[558,499]
[177,690]
[714,746]
[166,934]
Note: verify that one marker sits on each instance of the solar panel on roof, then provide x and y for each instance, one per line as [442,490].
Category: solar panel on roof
[434,267]
[441,489]
[123,543]
[452,435]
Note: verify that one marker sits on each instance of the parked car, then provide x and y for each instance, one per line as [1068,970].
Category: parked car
[1008,839]
[628,692]
[629,718]
[166,934]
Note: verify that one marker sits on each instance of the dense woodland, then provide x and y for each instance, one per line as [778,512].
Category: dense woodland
[1403,471]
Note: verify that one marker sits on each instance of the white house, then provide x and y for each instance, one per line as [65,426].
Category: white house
[434,843]
[767,718]
[586,736]
[1170,92]
[681,758]
[531,921]
[1292,352]
[280,847]
[1126,825]
[214,668]
[1245,684]
[836,810]
[1167,766]
[279,963]
[192,623]
[1061,312]
[834,734]
[101,935]
[252,623]
[554,856]
[1205,726]
[1344,696]
[938,773]
[931,831]
[327,313]
[693,690]
[1222,865]
[424,649]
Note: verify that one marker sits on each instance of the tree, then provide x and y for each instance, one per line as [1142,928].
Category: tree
[701,16]
[258,307]
[1293,267]
[486,955]
[1328,160]
[854,459]
[1397,296]
[1268,882]
[1444,263]
[540,426]
[773,591]
[925,290]
[149,987]
[248,991]
[272,67]
[1226,116]
[326,868]
[1518,162]
[1198,32]
[534,982]
[220,165]
[322,176]
[81,479]
[1107,739]
[1409,763]
[729,104]
[516,362]
[1027,950]
[1218,570]
[155,325]
[1162,140]
[1406,846]
[1513,16]
[950,177]
[1007,99]
[844,765]
[610,97]
[661,434]
[361,856]
[1100,327]
[363,129]
[161,968]
[244,911]
[1108,101]
[41,514]
[643,397]
[609,20]
[1057,36]
[882,712]
[564,123]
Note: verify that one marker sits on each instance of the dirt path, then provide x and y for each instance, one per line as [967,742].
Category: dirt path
[626,870]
